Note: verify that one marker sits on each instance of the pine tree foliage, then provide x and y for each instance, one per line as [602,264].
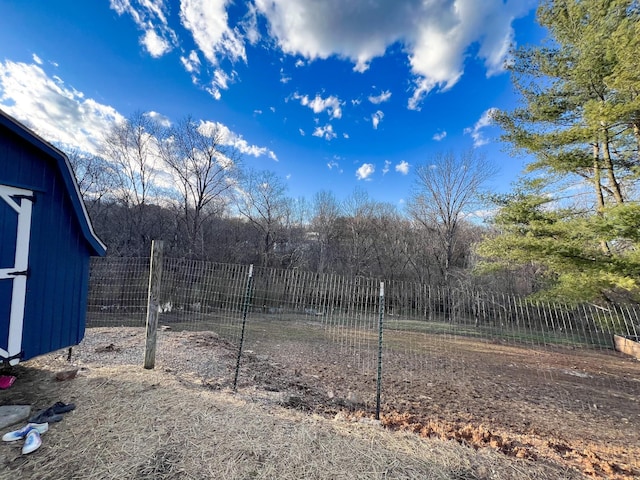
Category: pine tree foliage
[579,219]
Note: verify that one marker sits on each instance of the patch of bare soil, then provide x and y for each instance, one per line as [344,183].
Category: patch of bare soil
[490,412]
[577,408]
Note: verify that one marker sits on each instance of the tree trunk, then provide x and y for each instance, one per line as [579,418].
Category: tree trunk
[598,188]
[608,165]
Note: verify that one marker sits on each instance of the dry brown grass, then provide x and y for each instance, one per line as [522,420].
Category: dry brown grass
[132,423]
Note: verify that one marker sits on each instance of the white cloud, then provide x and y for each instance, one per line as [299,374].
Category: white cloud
[215,92]
[37,59]
[219,82]
[284,78]
[376,118]
[250,25]
[325,132]
[150,17]
[439,136]
[383,97]
[192,62]
[436,35]
[207,22]
[159,118]
[333,164]
[387,165]
[365,171]
[155,44]
[302,133]
[403,167]
[299,63]
[61,114]
[476,131]
[331,104]
[235,140]
[58,113]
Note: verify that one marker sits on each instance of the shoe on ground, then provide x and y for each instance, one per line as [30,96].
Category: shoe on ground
[22,433]
[32,441]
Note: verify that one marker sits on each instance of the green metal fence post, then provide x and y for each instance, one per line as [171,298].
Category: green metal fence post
[380,329]
[245,309]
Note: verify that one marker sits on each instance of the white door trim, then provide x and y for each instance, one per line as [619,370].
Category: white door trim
[18,274]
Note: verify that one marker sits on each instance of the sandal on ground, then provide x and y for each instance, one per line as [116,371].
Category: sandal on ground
[24,431]
[32,442]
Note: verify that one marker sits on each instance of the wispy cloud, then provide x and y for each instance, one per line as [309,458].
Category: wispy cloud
[332,104]
[284,78]
[387,166]
[231,138]
[207,20]
[376,118]
[149,16]
[191,63]
[383,97]
[476,131]
[325,132]
[439,136]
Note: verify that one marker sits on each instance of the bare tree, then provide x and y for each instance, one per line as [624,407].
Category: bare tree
[357,232]
[389,233]
[263,202]
[326,211]
[203,165]
[446,191]
[96,180]
[132,148]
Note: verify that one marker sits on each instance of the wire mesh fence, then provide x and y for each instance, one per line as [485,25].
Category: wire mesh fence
[118,290]
[330,324]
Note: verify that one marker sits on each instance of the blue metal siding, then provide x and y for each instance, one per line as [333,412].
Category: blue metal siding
[59,252]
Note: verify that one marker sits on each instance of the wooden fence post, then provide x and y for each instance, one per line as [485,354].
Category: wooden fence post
[155,278]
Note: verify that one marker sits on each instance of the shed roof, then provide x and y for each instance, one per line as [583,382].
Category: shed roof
[61,162]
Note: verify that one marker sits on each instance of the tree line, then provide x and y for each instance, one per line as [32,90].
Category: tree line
[569,229]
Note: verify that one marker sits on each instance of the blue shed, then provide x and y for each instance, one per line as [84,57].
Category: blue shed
[46,241]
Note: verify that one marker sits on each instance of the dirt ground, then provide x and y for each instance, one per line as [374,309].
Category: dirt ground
[579,408]
[564,410]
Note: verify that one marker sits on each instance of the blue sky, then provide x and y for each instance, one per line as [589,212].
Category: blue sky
[331,95]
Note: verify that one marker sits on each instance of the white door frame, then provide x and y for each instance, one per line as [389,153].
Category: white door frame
[21,204]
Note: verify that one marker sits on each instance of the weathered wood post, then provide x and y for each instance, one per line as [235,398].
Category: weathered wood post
[155,279]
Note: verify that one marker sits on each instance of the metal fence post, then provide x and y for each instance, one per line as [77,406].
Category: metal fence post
[155,279]
[245,309]
[380,330]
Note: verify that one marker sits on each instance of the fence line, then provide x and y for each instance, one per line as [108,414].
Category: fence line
[199,294]
[336,318]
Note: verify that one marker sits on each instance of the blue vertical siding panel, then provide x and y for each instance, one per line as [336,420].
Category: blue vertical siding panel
[54,266]
[59,254]
[5,310]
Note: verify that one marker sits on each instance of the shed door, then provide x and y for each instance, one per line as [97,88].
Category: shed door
[15,228]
